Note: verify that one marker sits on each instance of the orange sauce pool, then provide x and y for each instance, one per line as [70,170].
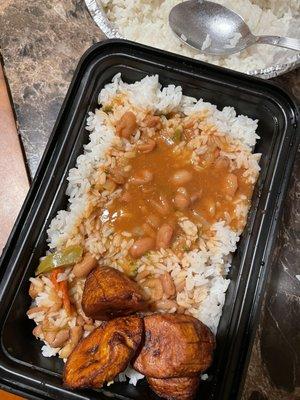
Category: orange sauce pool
[210,198]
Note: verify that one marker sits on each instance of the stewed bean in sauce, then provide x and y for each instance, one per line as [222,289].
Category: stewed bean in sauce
[162,185]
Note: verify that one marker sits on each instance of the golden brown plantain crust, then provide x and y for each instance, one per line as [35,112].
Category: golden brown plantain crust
[175,388]
[106,352]
[176,345]
[108,293]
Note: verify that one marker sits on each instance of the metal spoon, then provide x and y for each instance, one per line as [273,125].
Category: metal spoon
[214,29]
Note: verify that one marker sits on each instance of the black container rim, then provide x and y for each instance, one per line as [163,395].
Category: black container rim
[40,176]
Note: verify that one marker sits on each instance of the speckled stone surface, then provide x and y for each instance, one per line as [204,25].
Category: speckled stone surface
[274,369]
[41,43]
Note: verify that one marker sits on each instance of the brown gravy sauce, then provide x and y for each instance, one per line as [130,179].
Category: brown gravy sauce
[208,190]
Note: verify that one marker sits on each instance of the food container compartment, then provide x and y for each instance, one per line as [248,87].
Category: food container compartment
[23,369]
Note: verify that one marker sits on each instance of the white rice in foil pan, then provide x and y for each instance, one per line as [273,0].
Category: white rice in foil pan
[199,271]
[146,22]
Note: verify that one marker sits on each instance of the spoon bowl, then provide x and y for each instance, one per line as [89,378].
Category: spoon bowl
[216,30]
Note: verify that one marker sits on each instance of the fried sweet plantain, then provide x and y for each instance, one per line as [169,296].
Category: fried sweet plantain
[106,352]
[175,346]
[108,293]
[175,388]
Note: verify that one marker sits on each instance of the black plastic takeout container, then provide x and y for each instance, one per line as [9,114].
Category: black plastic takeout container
[23,369]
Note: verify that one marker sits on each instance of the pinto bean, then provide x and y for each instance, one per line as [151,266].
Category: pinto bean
[147,146]
[144,176]
[141,246]
[84,267]
[181,201]
[168,285]
[37,331]
[164,236]
[75,336]
[181,176]
[57,339]
[32,291]
[127,125]
[231,184]
[155,287]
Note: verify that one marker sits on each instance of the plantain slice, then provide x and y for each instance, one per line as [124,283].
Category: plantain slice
[175,388]
[106,352]
[175,345]
[109,293]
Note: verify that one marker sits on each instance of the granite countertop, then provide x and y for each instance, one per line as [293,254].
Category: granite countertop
[41,43]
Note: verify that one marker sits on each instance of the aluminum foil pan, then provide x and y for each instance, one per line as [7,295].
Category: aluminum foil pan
[111,31]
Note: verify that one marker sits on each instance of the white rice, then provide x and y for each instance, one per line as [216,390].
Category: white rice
[131,374]
[49,351]
[206,43]
[204,377]
[146,21]
[203,271]
[183,37]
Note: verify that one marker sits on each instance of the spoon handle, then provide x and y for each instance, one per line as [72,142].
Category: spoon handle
[288,43]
